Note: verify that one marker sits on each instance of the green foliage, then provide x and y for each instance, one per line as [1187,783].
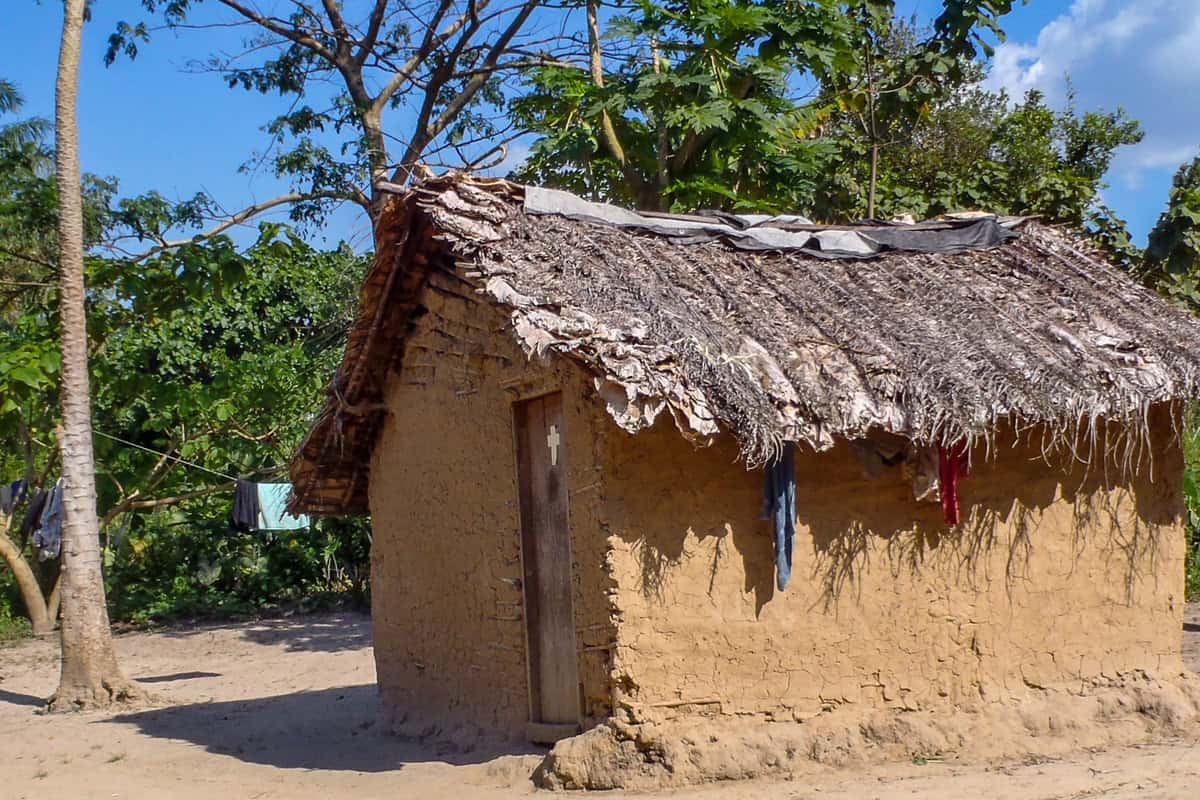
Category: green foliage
[188,563]
[204,352]
[1173,252]
[972,151]
[215,356]
[218,358]
[29,207]
[1111,233]
[12,628]
[894,116]
[13,625]
[703,103]
[1191,489]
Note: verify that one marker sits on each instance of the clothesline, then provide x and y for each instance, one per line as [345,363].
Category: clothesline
[165,455]
[256,506]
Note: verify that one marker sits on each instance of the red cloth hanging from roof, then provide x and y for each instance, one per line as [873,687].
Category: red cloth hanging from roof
[952,465]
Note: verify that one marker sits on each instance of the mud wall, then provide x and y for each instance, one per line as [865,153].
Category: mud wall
[1053,577]
[446,563]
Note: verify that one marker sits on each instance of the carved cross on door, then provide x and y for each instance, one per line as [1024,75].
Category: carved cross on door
[552,441]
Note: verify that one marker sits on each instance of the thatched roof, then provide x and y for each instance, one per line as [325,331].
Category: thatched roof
[794,343]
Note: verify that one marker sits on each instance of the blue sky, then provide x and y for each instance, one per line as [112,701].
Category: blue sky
[156,124]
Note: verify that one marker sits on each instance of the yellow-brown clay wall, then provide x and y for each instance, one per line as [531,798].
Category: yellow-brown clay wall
[446,563]
[1051,578]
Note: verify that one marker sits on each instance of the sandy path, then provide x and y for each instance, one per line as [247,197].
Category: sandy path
[287,709]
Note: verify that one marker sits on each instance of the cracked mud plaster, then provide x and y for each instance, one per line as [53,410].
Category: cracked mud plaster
[448,608]
[1052,578]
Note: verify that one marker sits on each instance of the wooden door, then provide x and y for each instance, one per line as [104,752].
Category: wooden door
[546,556]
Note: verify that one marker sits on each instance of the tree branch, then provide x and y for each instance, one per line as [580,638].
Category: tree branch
[179,498]
[427,46]
[31,593]
[374,25]
[279,27]
[339,25]
[693,142]
[32,260]
[242,216]
[455,106]
[607,129]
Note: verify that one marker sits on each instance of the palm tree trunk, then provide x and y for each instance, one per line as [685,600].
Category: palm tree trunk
[90,675]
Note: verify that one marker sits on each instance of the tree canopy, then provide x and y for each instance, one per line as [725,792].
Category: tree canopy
[726,103]
[398,85]
[201,352]
[837,110]
[216,355]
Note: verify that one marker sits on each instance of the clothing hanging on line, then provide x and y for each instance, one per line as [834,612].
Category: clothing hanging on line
[272,509]
[47,539]
[11,494]
[256,506]
[244,517]
[33,513]
[952,465]
[779,505]
[263,507]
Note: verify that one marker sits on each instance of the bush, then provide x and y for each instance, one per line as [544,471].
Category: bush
[1191,489]
[169,566]
[13,626]
[1192,568]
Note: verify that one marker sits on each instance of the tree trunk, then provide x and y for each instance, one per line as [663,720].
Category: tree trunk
[372,122]
[90,676]
[874,180]
[31,592]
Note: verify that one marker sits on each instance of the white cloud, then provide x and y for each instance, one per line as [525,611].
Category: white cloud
[1142,55]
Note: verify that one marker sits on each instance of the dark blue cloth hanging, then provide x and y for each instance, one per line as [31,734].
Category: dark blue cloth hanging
[779,505]
[244,516]
[11,495]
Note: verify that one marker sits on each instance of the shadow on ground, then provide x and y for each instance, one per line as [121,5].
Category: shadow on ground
[330,729]
[18,699]
[177,676]
[321,633]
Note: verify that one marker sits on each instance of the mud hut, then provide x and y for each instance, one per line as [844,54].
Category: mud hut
[559,415]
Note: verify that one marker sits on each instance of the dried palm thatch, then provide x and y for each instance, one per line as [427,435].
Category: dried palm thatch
[768,345]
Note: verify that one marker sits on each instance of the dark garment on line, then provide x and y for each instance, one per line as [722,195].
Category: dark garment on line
[47,539]
[33,513]
[779,505]
[11,494]
[245,507]
[952,465]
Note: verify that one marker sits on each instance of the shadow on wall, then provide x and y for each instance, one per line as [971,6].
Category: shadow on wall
[1004,504]
[852,519]
[331,729]
[656,557]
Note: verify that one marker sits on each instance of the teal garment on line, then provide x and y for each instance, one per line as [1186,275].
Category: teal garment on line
[272,509]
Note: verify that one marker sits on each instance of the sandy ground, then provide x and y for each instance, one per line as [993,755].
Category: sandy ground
[287,709]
